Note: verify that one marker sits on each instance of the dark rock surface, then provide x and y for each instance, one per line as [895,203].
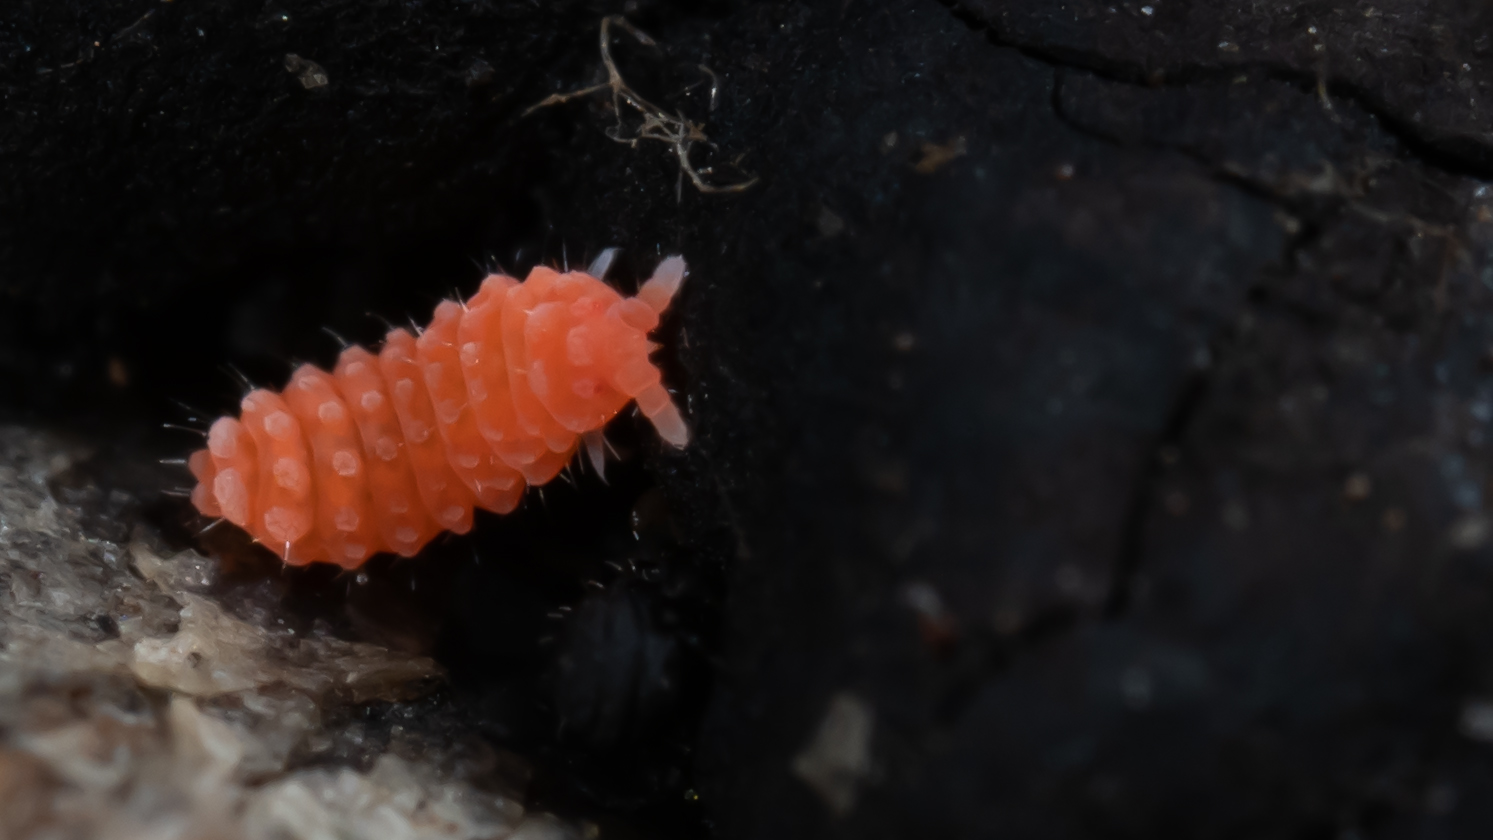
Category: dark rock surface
[1091,400]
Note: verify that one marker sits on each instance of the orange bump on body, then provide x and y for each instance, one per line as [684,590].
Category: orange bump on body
[393,448]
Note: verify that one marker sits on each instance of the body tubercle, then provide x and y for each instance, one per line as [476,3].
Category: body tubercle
[392,448]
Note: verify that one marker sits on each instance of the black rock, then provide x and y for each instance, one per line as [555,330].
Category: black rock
[1090,400]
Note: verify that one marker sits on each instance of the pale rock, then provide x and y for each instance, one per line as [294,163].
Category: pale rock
[90,748]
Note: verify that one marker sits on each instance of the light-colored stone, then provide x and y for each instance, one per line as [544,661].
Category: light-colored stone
[135,706]
[838,758]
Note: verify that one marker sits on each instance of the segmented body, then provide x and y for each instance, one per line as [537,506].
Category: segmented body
[392,448]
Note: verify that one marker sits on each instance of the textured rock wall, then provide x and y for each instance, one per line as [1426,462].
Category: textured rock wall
[135,703]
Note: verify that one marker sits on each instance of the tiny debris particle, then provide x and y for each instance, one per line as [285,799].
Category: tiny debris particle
[1477,720]
[1065,172]
[1357,487]
[1136,688]
[310,74]
[936,624]
[923,599]
[830,225]
[1006,621]
[1394,520]
[1069,579]
[119,374]
[1469,532]
[838,759]
[1236,515]
[1441,799]
[1288,223]
[1176,503]
[904,342]
[888,141]
[479,73]
[935,157]
[657,124]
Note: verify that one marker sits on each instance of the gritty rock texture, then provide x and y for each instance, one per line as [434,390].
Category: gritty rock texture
[1210,554]
[1090,400]
[133,705]
[1421,67]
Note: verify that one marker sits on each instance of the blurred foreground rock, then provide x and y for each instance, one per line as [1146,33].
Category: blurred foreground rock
[135,705]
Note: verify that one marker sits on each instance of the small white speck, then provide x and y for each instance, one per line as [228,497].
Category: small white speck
[838,759]
[1135,687]
[1477,720]
[924,599]
[1147,11]
[1069,579]
[1236,515]
[1467,533]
